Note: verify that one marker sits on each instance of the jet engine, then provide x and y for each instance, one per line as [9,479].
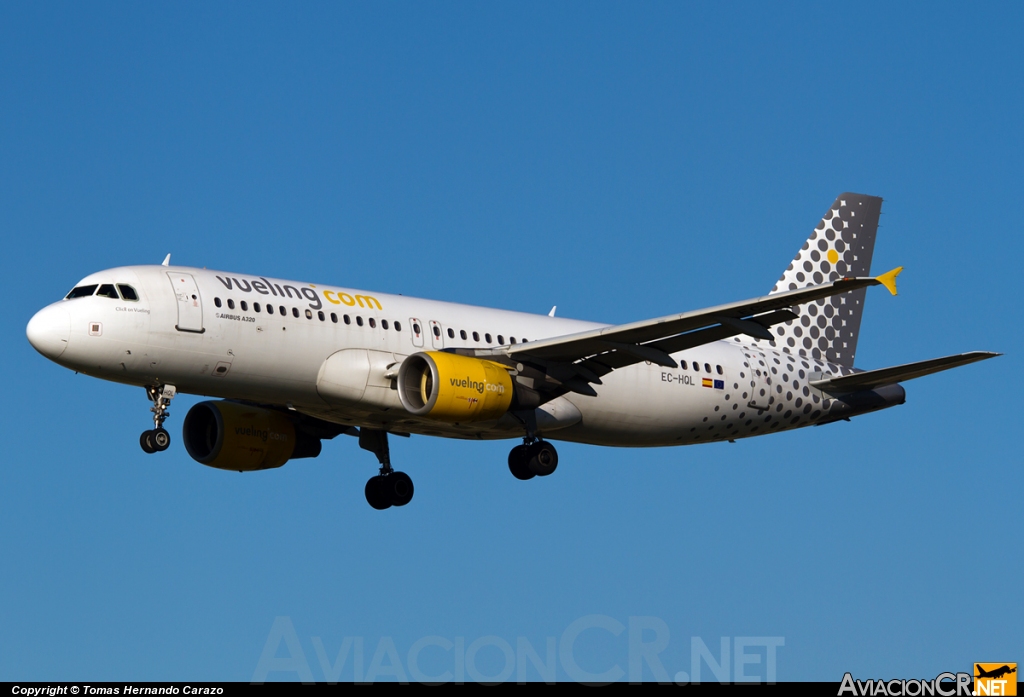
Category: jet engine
[453,388]
[233,436]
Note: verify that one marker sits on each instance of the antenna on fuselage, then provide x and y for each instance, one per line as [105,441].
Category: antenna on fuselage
[167,261]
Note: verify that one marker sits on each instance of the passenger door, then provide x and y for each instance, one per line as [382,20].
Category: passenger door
[190,304]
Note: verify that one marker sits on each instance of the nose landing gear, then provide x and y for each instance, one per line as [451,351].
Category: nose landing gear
[389,488]
[158,439]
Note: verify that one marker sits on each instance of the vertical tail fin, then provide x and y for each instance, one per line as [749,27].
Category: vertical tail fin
[841,245]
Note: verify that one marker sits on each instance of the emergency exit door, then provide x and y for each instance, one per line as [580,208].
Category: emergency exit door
[760,380]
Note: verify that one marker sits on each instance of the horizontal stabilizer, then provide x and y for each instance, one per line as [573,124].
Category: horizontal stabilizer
[871,379]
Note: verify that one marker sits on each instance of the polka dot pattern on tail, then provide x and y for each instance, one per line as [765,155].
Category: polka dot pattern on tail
[840,246]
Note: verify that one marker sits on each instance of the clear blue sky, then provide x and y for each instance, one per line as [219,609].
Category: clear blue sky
[622,161]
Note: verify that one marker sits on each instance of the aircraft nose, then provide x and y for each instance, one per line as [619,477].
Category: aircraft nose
[49,330]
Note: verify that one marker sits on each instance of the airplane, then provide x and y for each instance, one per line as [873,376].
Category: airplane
[296,363]
[995,673]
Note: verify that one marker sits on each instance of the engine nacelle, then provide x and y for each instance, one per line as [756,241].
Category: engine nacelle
[453,388]
[233,436]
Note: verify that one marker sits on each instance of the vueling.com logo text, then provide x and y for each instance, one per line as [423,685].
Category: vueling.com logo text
[477,385]
[286,291]
[260,433]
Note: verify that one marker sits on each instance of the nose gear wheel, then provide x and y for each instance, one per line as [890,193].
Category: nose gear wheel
[158,439]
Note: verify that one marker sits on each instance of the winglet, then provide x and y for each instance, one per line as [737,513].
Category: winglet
[553,308]
[888,279]
[167,260]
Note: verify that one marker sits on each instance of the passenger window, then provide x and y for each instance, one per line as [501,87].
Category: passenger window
[437,331]
[81,292]
[255,307]
[719,369]
[245,306]
[501,339]
[398,326]
[373,323]
[231,304]
[359,320]
[216,301]
[462,333]
[682,364]
[511,340]
[309,314]
[348,320]
[415,328]
[270,309]
[451,333]
[295,312]
[707,368]
[334,318]
[321,315]
[383,324]
[127,292]
[283,310]
[487,338]
[476,336]
[107,290]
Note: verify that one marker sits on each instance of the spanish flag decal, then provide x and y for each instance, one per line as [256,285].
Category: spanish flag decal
[707,382]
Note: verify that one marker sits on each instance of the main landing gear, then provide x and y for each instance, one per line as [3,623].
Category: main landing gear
[389,488]
[158,439]
[534,458]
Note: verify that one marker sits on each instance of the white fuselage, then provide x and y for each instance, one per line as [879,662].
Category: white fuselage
[208,344]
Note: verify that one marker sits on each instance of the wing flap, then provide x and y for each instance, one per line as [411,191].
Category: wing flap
[871,379]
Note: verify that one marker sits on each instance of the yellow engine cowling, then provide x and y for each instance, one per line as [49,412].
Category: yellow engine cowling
[233,436]
[453,388]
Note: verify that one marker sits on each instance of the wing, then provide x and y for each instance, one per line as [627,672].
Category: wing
[871,379]
[584,357]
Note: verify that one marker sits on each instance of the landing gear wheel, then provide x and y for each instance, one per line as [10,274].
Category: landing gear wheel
[376,494]
[160,439]
[389,488]
[398,486]
[543,458]
[519,462]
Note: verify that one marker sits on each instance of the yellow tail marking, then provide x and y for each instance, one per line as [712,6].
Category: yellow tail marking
[888,279]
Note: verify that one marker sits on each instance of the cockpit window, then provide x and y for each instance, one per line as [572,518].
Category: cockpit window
[81,292]
[107,290]
[127,292]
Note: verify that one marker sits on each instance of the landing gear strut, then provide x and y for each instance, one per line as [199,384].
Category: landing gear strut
[534,458]
[158,439]
[388,488]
